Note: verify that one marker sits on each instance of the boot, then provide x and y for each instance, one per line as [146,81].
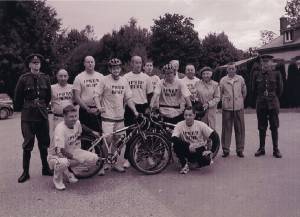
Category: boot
[276,152]
[262,139]
[46,170]
[26,161]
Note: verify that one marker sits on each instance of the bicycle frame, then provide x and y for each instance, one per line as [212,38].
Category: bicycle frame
[111,157]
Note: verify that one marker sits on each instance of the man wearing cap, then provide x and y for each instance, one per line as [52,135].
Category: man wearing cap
[84,86]
[32,96]
[267,87]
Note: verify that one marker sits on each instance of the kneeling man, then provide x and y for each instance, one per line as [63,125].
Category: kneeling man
[190,140]
[65,150]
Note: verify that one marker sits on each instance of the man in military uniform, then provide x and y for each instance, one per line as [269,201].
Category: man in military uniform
[32,96]
[267,87]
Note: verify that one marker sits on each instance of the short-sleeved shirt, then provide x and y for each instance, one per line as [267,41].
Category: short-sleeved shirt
[87,83]
[154,80]
[61,96]
[171,97]
[191,84]
[196,135]
[66,138]
[114,93]
[140,85]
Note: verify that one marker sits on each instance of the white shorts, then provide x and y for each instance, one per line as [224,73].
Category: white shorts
[109,127]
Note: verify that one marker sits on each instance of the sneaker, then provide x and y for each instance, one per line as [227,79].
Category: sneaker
[101,171]
[58,181]
[59,186]
[185,169]
[119,168]
[71,178]
[126,164]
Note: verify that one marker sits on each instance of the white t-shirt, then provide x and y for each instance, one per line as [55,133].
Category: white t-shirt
[197,134]
[61,96]
[171,97]
[66,138]
[114,93]
[191,84]
[87,84]
[154,80]
[140,85]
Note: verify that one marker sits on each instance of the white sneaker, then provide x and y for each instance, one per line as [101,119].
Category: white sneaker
[58,181]
[71,178]
[119,168]
[185,169]
[126,164]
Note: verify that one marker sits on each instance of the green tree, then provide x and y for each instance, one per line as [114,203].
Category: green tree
[266,36]
[25,27]
[292,10]
[174,37]
[218,50]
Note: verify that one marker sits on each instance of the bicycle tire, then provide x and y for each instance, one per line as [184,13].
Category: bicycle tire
[84,171]
[154,147]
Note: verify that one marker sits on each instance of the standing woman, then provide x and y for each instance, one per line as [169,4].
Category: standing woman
[208,93]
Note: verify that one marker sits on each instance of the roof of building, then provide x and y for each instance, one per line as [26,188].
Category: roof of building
[278,43]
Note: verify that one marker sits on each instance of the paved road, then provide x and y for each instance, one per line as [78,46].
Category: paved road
[249,187]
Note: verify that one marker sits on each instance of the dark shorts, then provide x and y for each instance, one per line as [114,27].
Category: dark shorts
[91,121]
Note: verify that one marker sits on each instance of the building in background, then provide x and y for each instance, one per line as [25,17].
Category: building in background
[285,47]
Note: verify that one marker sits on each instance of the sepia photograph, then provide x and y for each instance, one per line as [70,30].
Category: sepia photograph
[149,108]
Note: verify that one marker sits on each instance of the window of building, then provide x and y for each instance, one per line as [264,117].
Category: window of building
[289,36]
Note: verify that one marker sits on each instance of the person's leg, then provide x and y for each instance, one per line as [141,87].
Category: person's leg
[262,122]
[60,166]
[227,122]
[27,145]
[274,125]
[239,131]
[181,150]
[128,120]
[41,129]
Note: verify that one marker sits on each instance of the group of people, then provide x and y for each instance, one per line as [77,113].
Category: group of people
[107,103]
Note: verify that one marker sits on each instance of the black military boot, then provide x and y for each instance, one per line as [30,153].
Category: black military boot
[26,161]
[276,152]
[262,139]
[46,170]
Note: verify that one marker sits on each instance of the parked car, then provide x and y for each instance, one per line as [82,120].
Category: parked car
[6,106]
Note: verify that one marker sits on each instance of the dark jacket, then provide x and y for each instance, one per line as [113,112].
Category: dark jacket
[32,96]
[267,87]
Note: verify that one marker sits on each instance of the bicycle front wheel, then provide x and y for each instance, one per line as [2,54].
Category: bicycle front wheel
[83,171]
[150,155]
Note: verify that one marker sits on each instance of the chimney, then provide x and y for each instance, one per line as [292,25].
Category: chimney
[283,24]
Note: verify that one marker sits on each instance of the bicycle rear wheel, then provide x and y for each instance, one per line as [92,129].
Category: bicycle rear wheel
[83,171]
[150,155]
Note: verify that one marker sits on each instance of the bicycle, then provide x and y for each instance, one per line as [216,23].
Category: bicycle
[149,153]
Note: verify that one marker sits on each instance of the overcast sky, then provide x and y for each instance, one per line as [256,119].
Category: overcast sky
[241,20]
